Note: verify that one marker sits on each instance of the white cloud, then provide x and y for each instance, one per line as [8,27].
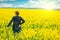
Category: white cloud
[57,6]
[35,4]
[5,5]
[40,4]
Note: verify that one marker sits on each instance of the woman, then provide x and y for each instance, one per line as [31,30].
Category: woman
[17,20]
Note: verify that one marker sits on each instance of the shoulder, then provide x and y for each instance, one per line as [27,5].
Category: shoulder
[13,17]
[19,16]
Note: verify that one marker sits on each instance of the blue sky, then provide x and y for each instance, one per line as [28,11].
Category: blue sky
[31,3]
[15,2]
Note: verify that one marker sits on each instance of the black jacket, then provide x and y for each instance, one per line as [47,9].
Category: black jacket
[17,20]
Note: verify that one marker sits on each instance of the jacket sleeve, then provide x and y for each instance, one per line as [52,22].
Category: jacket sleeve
[10,22]
[22,21]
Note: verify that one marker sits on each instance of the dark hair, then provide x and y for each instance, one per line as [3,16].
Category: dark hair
[17,13]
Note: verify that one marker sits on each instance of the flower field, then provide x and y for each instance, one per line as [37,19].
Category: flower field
[40,24]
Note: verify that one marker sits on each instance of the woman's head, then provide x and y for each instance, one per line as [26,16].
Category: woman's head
[17,13]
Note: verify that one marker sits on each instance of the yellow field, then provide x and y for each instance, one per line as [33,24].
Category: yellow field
[39,24]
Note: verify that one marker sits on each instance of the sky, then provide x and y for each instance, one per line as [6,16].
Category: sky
[52,4]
